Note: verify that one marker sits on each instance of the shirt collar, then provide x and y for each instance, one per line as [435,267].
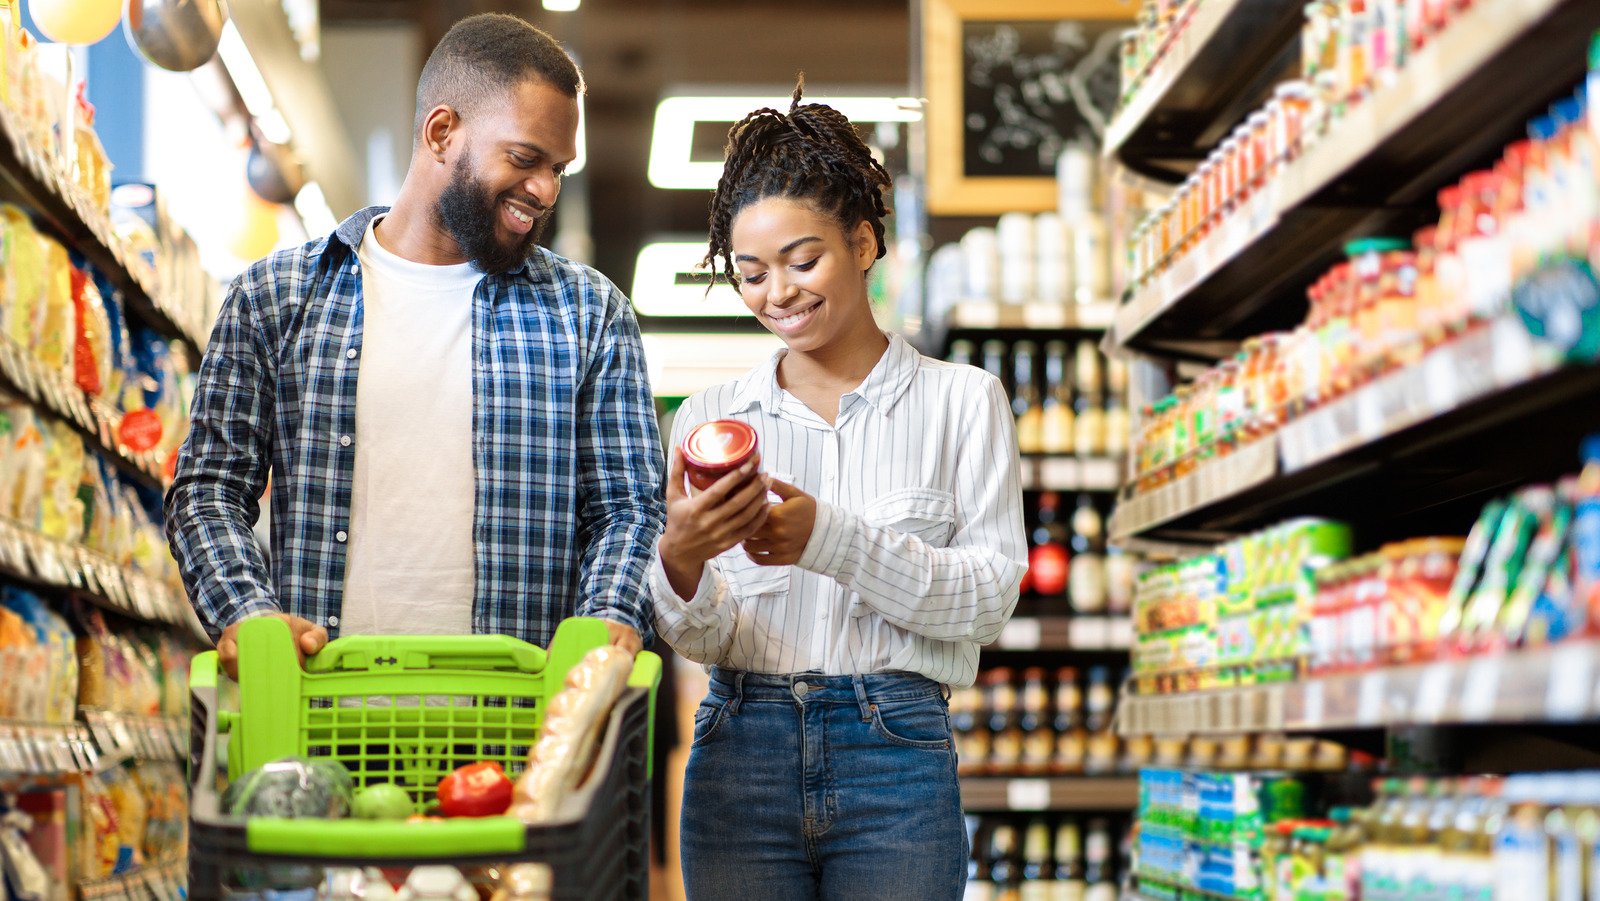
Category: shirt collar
[881,389]
[352,230]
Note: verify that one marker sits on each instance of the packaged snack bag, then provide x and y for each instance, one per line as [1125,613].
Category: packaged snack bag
[92,351]
[27,295]
[54,345]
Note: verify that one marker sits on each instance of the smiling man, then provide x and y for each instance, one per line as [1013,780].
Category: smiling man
[458,423]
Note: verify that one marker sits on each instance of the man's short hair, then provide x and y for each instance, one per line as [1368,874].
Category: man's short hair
[490,50]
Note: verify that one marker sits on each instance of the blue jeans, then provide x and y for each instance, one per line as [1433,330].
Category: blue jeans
[803,787]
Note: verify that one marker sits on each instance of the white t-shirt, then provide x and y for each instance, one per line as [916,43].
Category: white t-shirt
[409,565]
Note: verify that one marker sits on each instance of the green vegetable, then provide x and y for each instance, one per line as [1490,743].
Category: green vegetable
[292,787]
[383,801]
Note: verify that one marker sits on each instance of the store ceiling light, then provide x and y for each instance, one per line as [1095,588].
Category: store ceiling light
[314,212]
[561,6]
[671,158]
[668,282]
[251,86]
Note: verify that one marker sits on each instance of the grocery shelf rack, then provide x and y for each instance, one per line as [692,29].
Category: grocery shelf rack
[1453,106]
[1217,63]
[994,794]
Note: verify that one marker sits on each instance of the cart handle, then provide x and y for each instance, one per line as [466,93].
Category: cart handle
[400,652]
[336,838]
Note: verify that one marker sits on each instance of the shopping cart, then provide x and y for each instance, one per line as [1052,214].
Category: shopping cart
[407,710]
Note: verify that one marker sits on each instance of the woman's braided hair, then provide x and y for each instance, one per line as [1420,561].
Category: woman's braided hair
[812,155]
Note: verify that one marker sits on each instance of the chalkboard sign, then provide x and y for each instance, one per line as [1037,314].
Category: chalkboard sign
[1031,88]
[1009,84]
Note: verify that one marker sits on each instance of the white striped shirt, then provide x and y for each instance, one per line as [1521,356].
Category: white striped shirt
[918,548]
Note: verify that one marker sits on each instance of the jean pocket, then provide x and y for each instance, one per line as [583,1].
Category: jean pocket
[707,718]
[924,725]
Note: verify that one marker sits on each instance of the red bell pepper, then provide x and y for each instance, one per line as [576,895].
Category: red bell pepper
[475,790]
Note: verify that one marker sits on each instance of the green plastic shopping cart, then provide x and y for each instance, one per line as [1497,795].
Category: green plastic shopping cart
[407,710]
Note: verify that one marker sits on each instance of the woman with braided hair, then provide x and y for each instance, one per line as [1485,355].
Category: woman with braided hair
[834,619]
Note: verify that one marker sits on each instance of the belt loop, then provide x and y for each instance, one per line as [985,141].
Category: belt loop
[738,692]
[860,684]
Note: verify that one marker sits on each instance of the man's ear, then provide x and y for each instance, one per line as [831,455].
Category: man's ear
[438,130]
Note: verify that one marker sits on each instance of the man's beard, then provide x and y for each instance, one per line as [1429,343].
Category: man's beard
[471,215]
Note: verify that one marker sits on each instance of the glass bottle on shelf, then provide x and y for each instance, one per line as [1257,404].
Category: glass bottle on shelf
[1122,574]
[1005,751]
[1099,873]
[1036,873]
[1071,739]
[1087,588]
[1118,426]
[962,352]
[1025,401]
[1003,869]
[1069,884]
[1089,438]
[994,361]
[1038,738]
[979,885]
[1058,419]
[1048,559]
[1100,756]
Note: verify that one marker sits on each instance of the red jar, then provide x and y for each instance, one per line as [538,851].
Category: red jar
[713,449]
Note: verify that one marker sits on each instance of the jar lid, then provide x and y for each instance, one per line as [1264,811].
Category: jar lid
[719,443]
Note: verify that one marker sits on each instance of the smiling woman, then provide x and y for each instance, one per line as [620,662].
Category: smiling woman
[831,618]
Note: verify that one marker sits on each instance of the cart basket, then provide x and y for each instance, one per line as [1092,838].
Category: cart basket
[408,710]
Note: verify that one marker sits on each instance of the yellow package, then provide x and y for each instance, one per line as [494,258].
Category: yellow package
[133,812]
[62,513]
[14,647]
[101,836]
[55,347]
[25,282]
[27,461]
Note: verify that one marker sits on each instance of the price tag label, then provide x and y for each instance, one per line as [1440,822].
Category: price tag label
[1571,683]
[1480,689]
[1028,794]
[1060,474]
[1099,474]
[1089,633]
[978,315]
[1312,700]
[1369,699]
[1433,692]
[1020,635]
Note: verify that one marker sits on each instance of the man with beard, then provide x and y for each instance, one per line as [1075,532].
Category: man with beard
[495,468]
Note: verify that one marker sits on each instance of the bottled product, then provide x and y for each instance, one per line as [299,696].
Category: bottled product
[1088,588]
[1038,736]
[1057,425]
[1025,401]
[1048,558]
[1036,861]
[1099,869]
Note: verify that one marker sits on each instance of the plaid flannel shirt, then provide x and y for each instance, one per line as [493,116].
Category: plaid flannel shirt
[566,454]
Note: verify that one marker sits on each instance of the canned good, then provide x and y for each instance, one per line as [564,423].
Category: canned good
[713,449]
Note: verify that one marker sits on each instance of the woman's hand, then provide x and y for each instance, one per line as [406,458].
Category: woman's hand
[782,538]
[705,525]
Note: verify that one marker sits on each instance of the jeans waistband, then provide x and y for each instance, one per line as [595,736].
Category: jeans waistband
[865,689]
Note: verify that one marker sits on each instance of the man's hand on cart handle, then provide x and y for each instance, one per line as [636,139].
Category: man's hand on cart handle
[309,638]
[622,635]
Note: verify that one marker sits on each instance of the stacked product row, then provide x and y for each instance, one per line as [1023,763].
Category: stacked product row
[1059,258]
[1504,234]
[1293,599]
[1524,837]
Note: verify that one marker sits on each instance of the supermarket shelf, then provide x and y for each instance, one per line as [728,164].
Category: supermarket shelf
[981,316]
[29,178]
[1454,106]
[1065,633]
[31,556]
[1197,86]
[56,394]
[1250,467]
[1546,685]
[981,794]
[1043,472]
[103,740]
[1432,440]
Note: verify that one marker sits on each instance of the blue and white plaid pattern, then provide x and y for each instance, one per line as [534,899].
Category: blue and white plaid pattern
[566,454]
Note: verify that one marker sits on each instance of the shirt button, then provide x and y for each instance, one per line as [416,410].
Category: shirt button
[344,440]
[340,535]
[800,689]
[350,354]
[333,621]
